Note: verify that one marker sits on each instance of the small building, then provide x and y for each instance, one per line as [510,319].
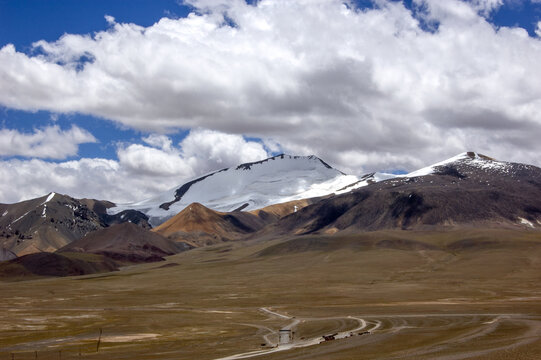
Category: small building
[284,336]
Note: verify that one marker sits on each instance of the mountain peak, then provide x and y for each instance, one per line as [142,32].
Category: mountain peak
[475,155]
[248,186]
[470,159]
[248,166]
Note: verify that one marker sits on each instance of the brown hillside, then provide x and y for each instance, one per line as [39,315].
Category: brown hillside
[125,242]
[52,264]
[199,225]
[283,209]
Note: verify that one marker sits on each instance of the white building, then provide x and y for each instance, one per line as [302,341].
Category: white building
[285,336]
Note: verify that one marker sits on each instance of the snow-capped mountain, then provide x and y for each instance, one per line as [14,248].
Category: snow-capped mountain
[276,180]
[252,186]
[469,190]
[464,160]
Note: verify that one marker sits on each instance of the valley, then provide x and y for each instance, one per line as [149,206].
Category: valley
[442,299]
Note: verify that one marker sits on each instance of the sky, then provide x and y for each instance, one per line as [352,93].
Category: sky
[120,100]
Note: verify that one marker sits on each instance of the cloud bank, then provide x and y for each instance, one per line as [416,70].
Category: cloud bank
[141,170]
[371,89]
[48,143]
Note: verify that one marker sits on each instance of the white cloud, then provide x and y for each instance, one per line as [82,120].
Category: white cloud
[312,76]
[47,143]
[487,6]
[199,152]
[140,172]
[110,19]
[159,141]
[151,161]
[95,178]
[207,150]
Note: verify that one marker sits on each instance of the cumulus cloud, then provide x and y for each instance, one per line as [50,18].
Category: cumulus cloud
[207,150]
[365,89]
[140,171]
[49,143]
[199,152]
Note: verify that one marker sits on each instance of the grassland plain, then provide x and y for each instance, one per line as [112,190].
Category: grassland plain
[422,295]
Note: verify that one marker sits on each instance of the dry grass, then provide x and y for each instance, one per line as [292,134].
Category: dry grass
[208,306]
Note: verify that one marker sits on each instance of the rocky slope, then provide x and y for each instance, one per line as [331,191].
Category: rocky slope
[469,190]
[47,223]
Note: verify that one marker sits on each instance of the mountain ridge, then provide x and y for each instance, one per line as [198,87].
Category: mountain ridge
[427,198]
[248,186]
[46,223]
[467,190]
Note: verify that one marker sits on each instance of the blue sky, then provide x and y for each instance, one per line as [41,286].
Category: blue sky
[23,22]
[26,21]
[392,86]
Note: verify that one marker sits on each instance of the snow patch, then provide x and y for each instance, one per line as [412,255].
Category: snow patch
[20,217]
[5,213]
[49,198]
[526,222]
[43,213]
[72,207]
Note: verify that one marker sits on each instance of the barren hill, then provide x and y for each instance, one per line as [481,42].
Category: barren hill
[125,242]
[199,225]
[52,264]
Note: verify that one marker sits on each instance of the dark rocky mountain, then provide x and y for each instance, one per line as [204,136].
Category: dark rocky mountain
[470,190]
[126,243]
[47,223]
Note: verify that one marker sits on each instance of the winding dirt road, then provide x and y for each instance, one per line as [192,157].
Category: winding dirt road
[466,329]
[362,325]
